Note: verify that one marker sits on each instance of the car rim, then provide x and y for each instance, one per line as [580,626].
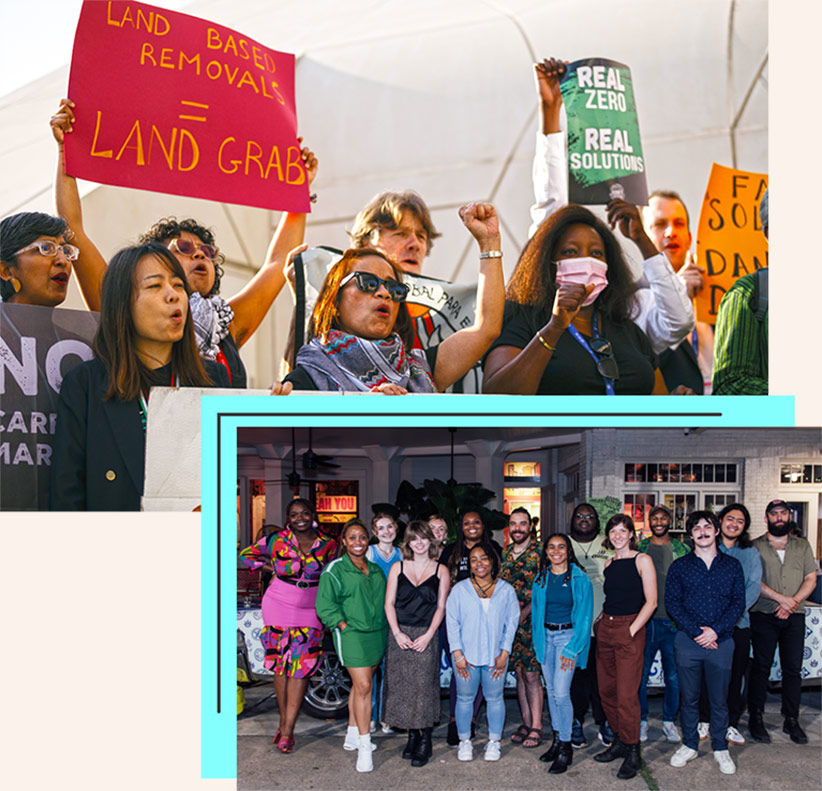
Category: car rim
[330,686]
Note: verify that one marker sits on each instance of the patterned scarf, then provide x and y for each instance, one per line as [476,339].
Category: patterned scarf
[348,362]
[212,317]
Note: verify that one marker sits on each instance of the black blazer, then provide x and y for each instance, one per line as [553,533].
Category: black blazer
[99,451]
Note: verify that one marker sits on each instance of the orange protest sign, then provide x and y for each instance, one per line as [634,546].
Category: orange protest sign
[171,103]
[729,239]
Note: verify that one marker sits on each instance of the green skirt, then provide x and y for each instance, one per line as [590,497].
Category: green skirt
[360,649]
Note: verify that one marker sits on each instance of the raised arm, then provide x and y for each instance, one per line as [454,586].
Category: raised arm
[664,312]
[252,303]
[90,266]
[459,352]
[550,170]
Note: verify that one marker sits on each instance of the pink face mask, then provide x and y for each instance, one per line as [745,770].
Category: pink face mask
[583,271]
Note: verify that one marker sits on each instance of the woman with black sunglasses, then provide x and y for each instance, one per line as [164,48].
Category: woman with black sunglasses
[361,337]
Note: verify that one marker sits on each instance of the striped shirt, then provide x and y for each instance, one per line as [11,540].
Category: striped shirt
[741,344]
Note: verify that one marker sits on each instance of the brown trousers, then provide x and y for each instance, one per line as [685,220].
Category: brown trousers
[620,660]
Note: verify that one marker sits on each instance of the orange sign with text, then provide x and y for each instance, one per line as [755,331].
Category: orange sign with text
[172,103]
[337,503]
[729,239]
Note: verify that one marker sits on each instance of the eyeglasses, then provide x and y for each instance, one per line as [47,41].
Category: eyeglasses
[606,362]
[49,249]
[369,283]
[586,517]
[190,248]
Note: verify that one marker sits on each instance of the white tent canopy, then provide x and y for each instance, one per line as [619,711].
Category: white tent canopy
[438,97]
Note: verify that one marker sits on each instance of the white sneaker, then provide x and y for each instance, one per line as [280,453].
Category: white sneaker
[365,759]
[465,751]
[373,726]
[671,732]
[492,750]
[386,729]
[734,736]
[643,730]
[352,739]
[726,765]
[704,730]
[683,755]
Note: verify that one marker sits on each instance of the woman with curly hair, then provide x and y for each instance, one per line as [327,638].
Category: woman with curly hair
[567,328]
[561,614]
[221,326]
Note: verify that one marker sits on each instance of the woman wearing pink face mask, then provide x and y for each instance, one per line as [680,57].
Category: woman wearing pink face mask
[567,329]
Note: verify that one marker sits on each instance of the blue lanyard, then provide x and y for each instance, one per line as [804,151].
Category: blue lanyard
[695,341]
[609,383]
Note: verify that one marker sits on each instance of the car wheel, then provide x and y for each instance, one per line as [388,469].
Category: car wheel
[328,689]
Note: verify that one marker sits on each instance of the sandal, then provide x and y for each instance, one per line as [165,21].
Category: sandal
[276,736]
[534,738]
[285,744]
[518,736]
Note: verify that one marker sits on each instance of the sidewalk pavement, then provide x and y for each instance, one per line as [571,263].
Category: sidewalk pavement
[319,763]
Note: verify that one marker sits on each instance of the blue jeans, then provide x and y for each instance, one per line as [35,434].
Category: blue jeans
[467,690]
[558,683]
[659,635]
[714,665]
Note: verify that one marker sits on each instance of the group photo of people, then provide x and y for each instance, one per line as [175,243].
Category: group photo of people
[648,618]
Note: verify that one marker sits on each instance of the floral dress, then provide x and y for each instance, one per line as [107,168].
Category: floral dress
[293,635]
[520,573]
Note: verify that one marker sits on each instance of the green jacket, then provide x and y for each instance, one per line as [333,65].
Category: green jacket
[346,594]
[679,549]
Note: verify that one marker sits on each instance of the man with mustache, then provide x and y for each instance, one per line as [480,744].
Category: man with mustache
[660,631]
[778,618]
[593,556]
[520,564]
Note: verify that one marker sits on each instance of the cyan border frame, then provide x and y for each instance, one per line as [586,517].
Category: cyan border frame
[221,416]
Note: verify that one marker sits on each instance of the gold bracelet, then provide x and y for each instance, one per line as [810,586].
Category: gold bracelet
[545,343]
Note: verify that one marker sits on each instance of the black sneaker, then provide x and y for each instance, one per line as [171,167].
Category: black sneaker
[794,730]
[577,735]
[606,735]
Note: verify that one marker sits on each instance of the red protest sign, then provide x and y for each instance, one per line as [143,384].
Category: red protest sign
[171,103]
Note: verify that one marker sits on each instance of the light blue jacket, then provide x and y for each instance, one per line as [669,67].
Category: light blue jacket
[582,613]
[478,635]
[751,562]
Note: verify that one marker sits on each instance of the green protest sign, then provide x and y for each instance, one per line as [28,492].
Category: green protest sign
[604,148]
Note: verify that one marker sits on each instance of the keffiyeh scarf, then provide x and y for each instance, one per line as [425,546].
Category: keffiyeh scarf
[212,317]
[348,362]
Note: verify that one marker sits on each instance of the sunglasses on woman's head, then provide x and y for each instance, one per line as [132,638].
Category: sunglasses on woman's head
[369,283]
[190,248]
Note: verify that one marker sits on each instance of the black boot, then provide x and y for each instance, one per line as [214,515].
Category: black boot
[632,763]
[757,727]
[553,750]
[616,750]
[413,744]
[563,760]
[453,738]
[424,749]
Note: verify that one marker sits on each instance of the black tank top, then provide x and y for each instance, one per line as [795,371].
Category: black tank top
[623,588]
[416,604]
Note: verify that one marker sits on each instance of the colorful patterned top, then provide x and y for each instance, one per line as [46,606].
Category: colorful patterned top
[284,603]
[520,572]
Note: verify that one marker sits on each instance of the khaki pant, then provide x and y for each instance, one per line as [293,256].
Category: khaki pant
[620,659]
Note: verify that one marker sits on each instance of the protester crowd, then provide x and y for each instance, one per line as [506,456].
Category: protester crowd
[572,318]
[584,610]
